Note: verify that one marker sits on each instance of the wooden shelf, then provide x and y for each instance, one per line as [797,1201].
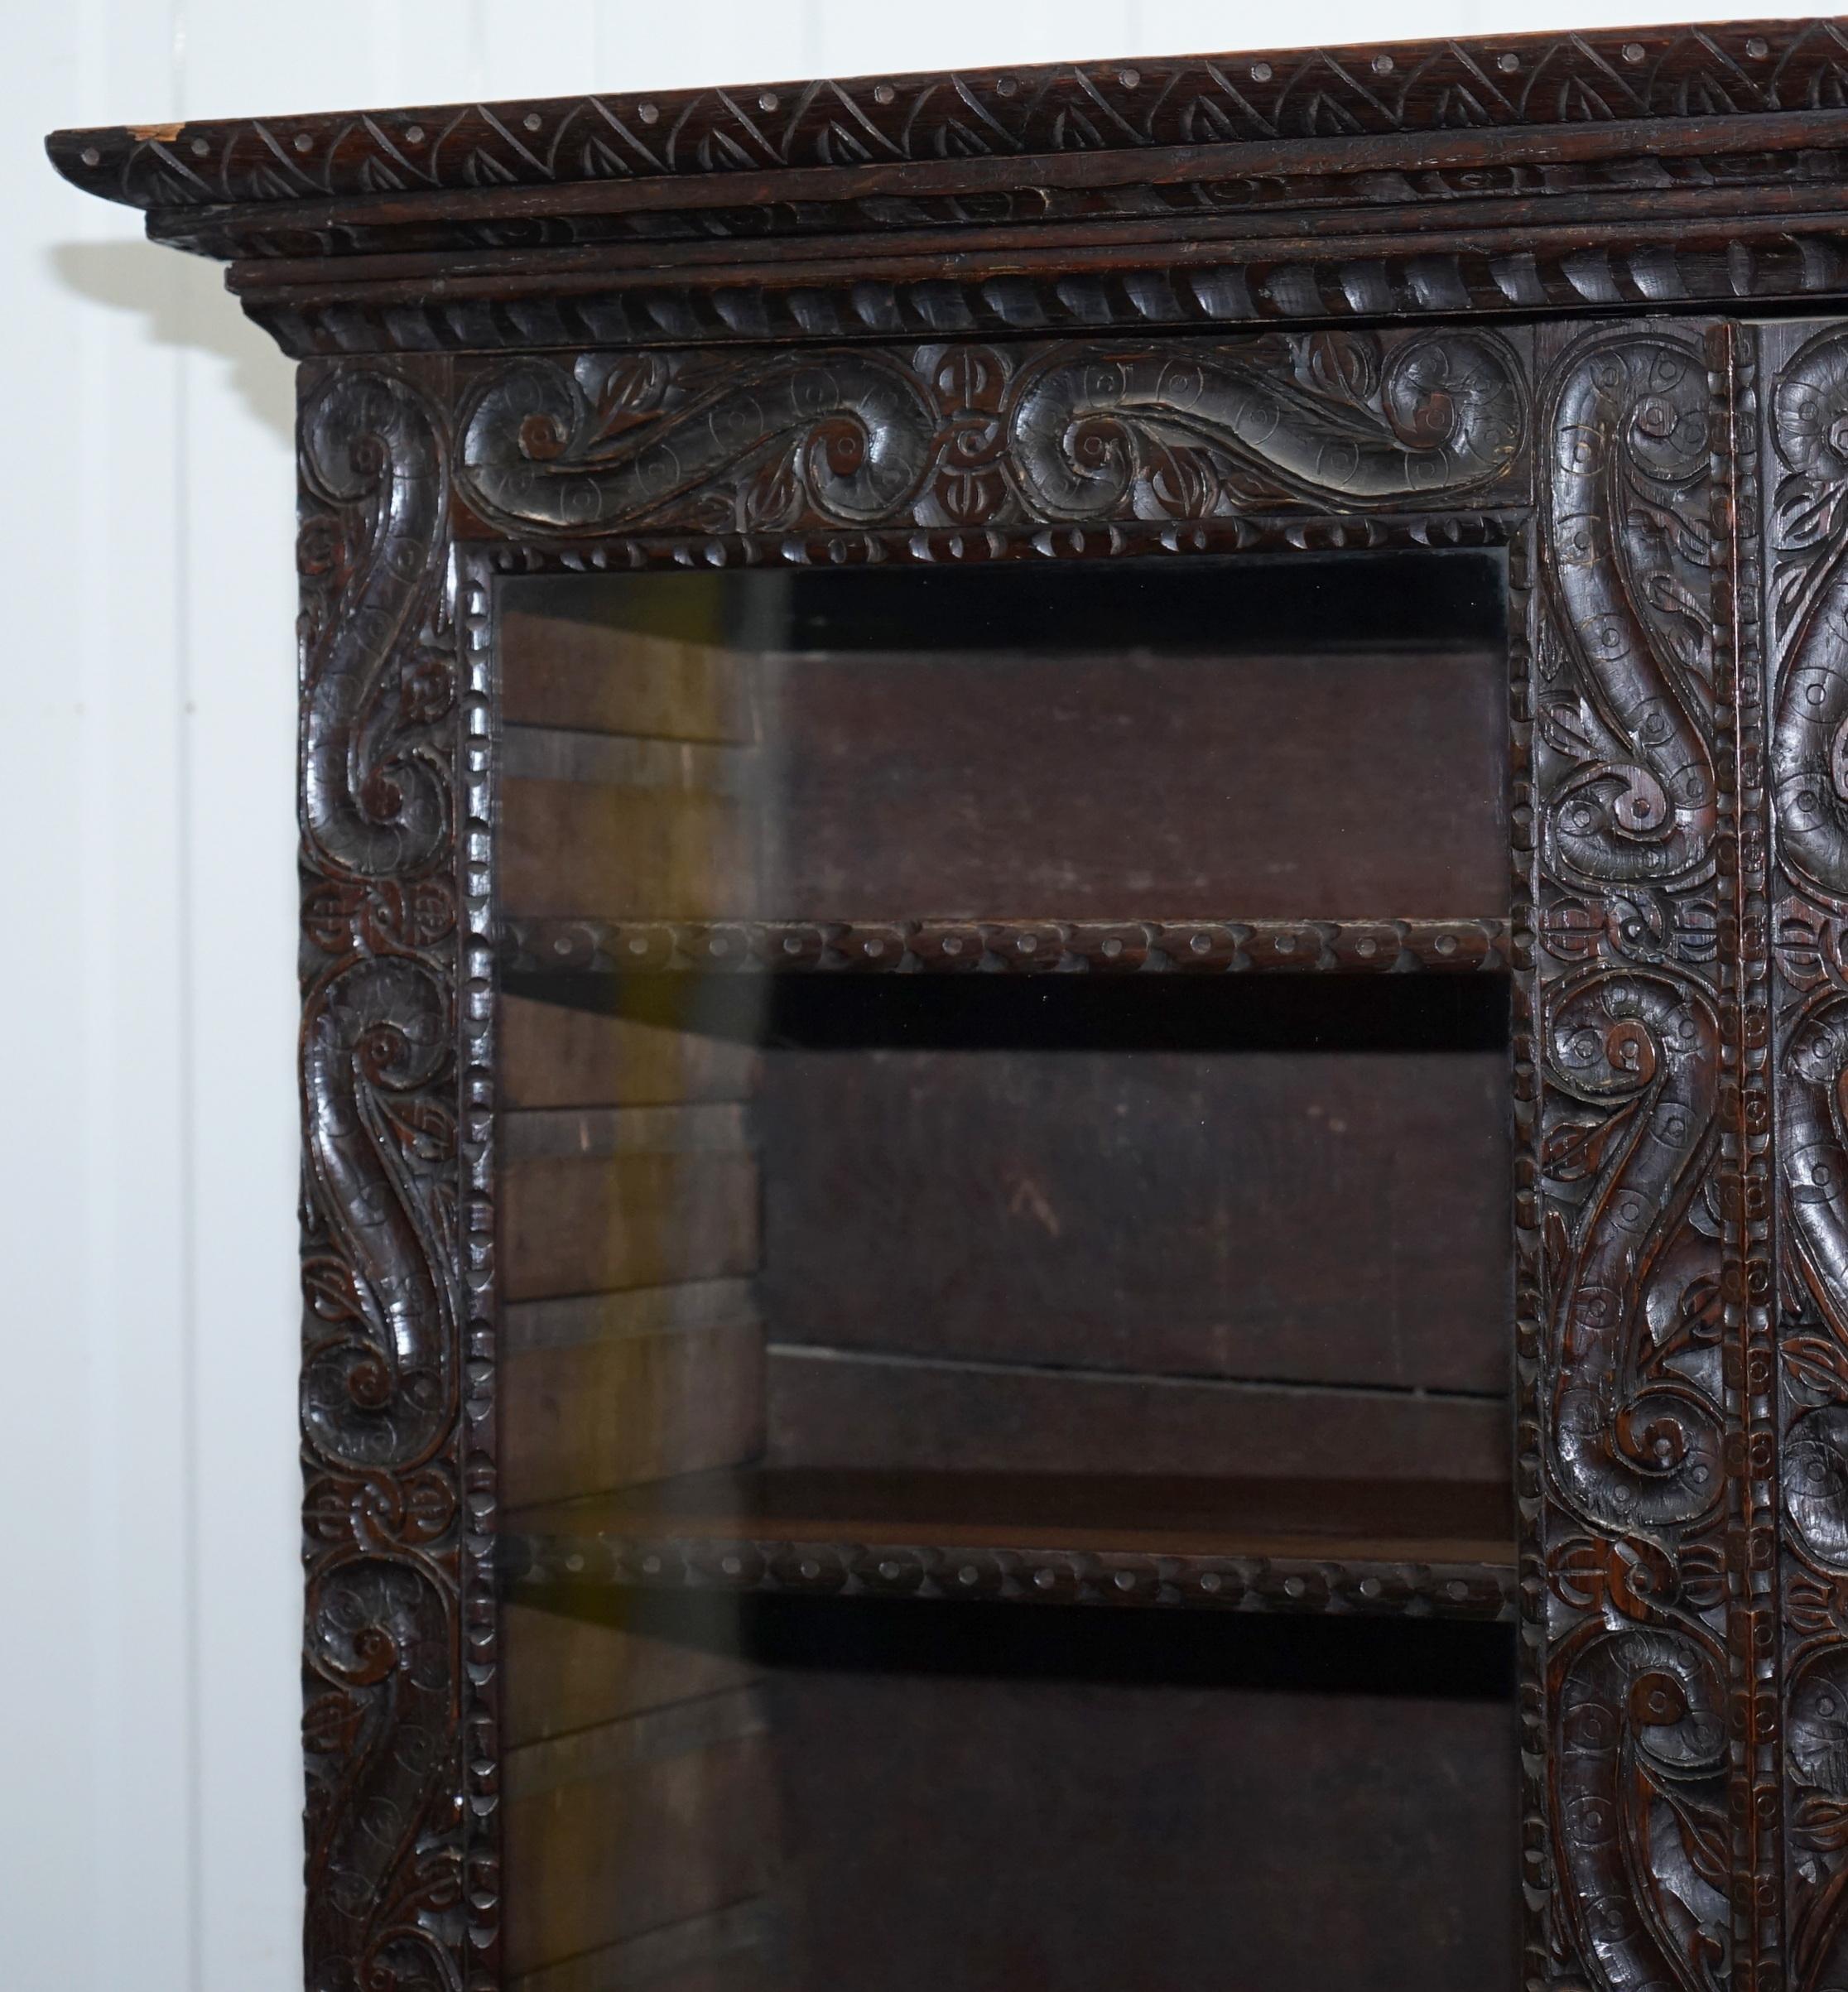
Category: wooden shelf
[1412,1548]
[1360,947]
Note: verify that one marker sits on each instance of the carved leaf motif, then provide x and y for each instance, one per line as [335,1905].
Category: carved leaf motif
[1810,1606]
[1557,1247]
[1703,1839]
[1344,365]
[330,1724]
[1565,727]
[1700,1316]
[1573,1151]
[1817,1366]
[628,390]
[1823,1823]
[426,1130]
[770,499]
[1182,480]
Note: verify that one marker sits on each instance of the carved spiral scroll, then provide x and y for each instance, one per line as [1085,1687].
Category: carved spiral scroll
[372,803]
[1635,1447]
[603,447]
[1443,413]
[378,1389]
[381,1666]
[1630,437]
[1640,1741]
[1809,741]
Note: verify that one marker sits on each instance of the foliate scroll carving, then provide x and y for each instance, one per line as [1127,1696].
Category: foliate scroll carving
[1627,453]
[1096,437]
[1809,742]
[391,1863]
[975,436]
[1635,1422]
[598,443]
[1640,1778]
[374,792]
[1625,1026]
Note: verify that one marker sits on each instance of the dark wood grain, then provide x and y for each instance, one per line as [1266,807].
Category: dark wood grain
[864,1410]
[662,1816]
[1308,1217]
[1060,1863]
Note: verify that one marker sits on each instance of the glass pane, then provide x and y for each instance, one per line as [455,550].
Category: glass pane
[1005,1448]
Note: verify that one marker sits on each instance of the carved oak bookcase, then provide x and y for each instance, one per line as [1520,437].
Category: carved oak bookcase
[1075,1046]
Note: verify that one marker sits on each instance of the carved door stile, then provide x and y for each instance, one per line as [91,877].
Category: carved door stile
[1804,428]
[398,1273]
[1645,1643]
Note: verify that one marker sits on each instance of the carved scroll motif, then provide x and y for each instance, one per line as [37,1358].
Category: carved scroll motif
[981,436]
[1443,413]
[1809,741]
[382,1265]
[1636,1428]
[1626,1254]
[1641,1789]
[1628,449]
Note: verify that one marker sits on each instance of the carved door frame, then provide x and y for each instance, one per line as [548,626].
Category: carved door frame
[1609,460]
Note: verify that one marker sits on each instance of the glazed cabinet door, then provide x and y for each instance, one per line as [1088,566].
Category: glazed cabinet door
[1037,1083]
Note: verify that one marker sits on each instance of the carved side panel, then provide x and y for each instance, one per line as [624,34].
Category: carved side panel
[399,1603]
[1805,426]
[1642,1853]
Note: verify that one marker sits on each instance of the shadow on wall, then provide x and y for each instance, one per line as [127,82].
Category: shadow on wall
[184,302]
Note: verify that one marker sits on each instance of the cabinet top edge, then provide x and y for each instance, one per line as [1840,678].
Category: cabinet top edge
[1739,80]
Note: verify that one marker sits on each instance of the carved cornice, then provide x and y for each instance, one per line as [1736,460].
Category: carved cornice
[1654,167]
[1507,83]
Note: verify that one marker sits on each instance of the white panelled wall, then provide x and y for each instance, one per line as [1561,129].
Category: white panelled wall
[149,1833]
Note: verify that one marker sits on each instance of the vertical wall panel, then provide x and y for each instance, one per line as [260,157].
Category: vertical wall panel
[235,572]
[98,1823]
